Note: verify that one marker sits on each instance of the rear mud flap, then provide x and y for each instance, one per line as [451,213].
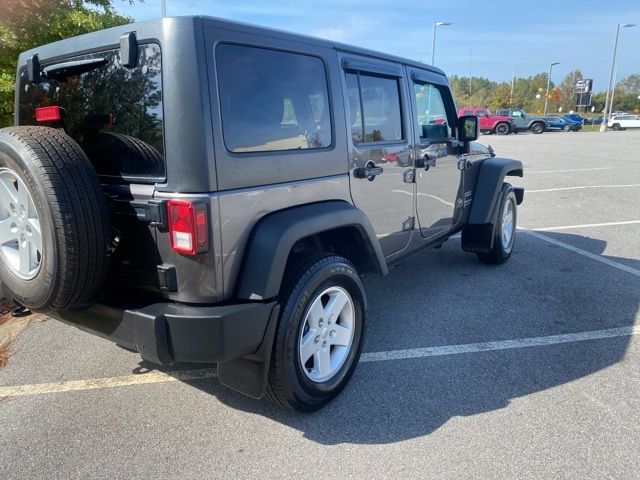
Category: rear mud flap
[249,375]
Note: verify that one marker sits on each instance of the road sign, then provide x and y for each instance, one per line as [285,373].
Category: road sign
[584,85]
[583,100]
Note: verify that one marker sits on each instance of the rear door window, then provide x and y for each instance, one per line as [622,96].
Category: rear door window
[272,100]
[374,108]
[113,112]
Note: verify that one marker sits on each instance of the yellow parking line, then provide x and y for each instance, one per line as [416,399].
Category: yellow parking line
[95,383]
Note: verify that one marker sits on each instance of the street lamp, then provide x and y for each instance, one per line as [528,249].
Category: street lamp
[607,106]
[433,48]
[546,97]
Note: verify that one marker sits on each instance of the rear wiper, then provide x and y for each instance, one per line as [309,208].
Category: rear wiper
[62,71]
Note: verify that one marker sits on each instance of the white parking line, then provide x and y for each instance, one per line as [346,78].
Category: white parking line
[186,375]
[533,172]
[501,345]
[584,253]
[582,188]
[584,225]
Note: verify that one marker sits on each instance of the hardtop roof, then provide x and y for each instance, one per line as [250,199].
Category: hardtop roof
[100,37]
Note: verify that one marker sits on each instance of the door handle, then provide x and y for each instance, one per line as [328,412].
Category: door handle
[426,162]
[368,172]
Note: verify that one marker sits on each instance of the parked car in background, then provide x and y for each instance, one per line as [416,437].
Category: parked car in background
[574,117]
[593,121]
[560,123]
[489,123]
[622,122]
[522,121]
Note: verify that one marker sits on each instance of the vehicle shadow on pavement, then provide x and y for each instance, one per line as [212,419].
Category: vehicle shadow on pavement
[544,290]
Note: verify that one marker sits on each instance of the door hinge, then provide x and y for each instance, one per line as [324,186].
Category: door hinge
[408,224]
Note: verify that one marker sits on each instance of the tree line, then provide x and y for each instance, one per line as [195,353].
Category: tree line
[529,93]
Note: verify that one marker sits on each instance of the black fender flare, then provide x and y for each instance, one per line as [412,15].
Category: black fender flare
[488,186]
[275,234]
[478,231]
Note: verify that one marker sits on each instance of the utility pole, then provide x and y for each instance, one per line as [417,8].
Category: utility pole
[513,81]
[469,75]
[163,7]
[607,106]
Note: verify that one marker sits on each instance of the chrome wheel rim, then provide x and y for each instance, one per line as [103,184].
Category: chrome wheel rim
[508,226]
[326,336]
[20,234]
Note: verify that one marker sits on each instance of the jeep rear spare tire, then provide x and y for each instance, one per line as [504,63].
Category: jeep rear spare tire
[54,225]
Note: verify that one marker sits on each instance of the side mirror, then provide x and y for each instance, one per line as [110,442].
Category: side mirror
[467,128]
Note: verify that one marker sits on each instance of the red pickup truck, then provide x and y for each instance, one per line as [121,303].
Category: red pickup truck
[489,123]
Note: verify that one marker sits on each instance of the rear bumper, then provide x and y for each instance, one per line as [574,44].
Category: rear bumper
[166,333]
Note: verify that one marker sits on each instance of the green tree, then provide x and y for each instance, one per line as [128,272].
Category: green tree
[25,24]
[471,91]
[500,96]
[630,84]
[525,91]
[567,90]
[598,101]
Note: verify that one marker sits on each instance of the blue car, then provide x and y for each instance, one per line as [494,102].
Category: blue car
[574,117]
[558,123]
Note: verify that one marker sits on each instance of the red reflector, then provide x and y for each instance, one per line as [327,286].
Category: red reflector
[187,224]
[48,114]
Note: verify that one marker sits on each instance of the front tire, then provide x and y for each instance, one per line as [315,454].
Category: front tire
[505,229]
[616,127]
[566,128]
[319,337]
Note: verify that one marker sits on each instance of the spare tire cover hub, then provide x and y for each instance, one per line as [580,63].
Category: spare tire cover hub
[20,237]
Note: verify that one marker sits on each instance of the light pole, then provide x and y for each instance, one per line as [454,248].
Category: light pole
[546,97]
[163,7]
[433,47]
[607,106]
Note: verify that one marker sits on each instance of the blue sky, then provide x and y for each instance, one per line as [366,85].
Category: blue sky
[500,34]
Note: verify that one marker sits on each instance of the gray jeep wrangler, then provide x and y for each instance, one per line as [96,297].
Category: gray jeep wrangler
[200,190]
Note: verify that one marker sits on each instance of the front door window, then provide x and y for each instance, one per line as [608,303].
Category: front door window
[437,176]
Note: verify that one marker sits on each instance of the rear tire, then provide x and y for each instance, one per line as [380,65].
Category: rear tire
[537,128]
[63,228]
[309,364]
[502,129]
[566,128]
[505,229]
[616,127]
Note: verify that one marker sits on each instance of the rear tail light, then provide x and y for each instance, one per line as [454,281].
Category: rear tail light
[48,114]
[188,229]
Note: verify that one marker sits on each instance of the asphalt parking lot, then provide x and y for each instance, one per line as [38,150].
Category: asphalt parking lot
[527,370]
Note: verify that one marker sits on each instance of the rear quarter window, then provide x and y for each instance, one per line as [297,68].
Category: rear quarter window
[272,100]
[113,112]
